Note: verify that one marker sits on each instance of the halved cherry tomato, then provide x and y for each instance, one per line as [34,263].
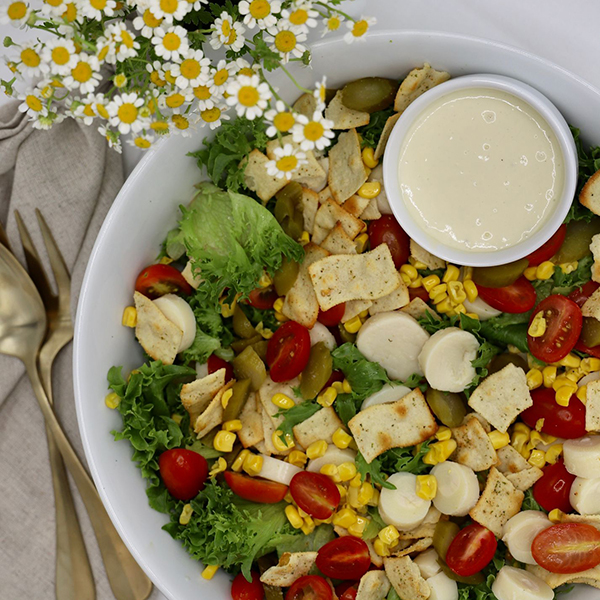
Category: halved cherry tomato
[567,548]
[183,472]
[386,230]
[255,490]
[346,590]
[288,351]
[563,326]
[331,317]
[580,295]
[471,550]
[157,280]
[560,421]
[519,297]
[215,363]
[263,298]
[345,557]
[553,488]
[315,494]
[581,347]
[419,292]
[310,587]
[549,249]
[242,589]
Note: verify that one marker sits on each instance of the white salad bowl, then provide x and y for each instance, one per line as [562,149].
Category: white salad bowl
[146,209]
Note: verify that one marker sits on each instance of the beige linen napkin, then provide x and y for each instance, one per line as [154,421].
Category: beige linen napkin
[72,176]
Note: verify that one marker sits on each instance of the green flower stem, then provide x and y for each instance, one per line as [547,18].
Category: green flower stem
[301,88]
[337,10]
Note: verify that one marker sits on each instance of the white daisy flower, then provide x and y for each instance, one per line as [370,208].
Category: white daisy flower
[184,123]
[243,67]
[31,64]
[213,117]
[314,133]
[320,93]
[158,76]
[85,75]
[196,4]
[160,127]
[123,40]
[89,108]
[46,121]
[112,137]
[205,97]
[71,14]
[142,141]
[286,161]
[192,70]
[146,23]
[227,33]
[171,43]
[281,118]
[285,39]
[358,29]
[301,15]
[60,55]
[52,9]
[97,9]
[220,76]
[33,103]
[332,23]
[175,99]
[249,96]
[16,13]
[259,12]
[169,10]
[124,112]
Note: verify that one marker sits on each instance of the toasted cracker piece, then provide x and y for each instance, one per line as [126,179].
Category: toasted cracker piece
[399,424]
[590,194]
[345,277]
[324,195]
[251,432]
[595,249]
[418,545]
[554,580]
[406,578]
[261,447]
[591,308]
[213,415]
[429,260]
[484,423]
[474,447]
[268,431]
[502,397]
[417,82]
[354,308]
[257,179]
[510,461]
[320,426]
[269,388]
[310,205]
[418,308]
[310,175]
[158,336]
[338,241]
[196,396]
[525,479]
[306,105]
[385,135]
[393,301]
[593,520]
[371,212]
[499,501]
[329,214]
[373,585]
[347,171]
[290,567]
[375,558]
[301,303]
[592,406]
[190,277]
[344,117]
[355,205]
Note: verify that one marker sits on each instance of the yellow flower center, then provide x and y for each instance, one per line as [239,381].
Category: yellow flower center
[287,163]
[248,95]
[285,41]
[119,6]
[333,23]
[156,79]
[142,142]
[260,9]
[60,55]
[103,52]
[221,76]
[169,6]
[30,57]
[120,80]
[299,17]
[226,28]
[211,115]
[47,92]
[88,110]
[248,71]
[33,103]
[127,113]
[313,131]
[127,39]
[284,121]
[180,122]
[190,68]
[202,92]
[71,13]
[232,37]
[171,41]
[175,100]
[16,10]
[54,3]
[150,19]
[101,110]
[82,72]
[98,4]
[169,77]
[360,28]
[159,127]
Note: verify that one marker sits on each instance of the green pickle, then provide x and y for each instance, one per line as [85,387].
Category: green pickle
[346,336]
[577,240]
[499,362]
[288,210]
[590,332]
[449,408]
[317,371]
[249,366]
[284,279]
[500,276]
[369,94]
[261,349]
[445,532]
[471,580]
[241,324]
[241,391]
[240,345]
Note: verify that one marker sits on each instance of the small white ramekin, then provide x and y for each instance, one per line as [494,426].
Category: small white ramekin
[546,109]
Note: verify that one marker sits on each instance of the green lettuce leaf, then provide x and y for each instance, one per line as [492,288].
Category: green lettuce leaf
[296,414]
[589,163]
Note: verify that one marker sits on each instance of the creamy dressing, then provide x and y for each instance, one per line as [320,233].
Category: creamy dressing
[480,170]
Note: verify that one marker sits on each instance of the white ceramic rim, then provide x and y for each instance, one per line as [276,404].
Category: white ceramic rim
[464,257]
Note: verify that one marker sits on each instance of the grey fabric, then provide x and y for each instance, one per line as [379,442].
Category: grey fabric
[72,176]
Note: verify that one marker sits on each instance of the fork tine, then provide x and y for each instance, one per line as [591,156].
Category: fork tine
[57,262]
[4,238]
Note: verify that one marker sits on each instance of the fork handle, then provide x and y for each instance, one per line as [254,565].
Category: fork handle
[126,578]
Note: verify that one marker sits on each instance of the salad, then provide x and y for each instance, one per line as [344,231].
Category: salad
[327,410]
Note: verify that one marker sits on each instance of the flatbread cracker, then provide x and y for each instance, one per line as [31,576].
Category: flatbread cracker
[595,250]
[417,308]
[196,396]
[554,580]
[385,135]
[213,415]
[371,212]
[306,105]
[474,447]
[591,308]
[354,308]
[373,585]
[269,388]
[344,117]
[320,426]
[347,172]
[592,406]
[355,205]
[405,576]
[338,241]
[393,301]
[525,479]
[310,205]
[251,432]
[290,567]
[429,260]
[257,179]
[189,275]
[324,195]
[590,194]
[328,215]
[417,546]
[417,82]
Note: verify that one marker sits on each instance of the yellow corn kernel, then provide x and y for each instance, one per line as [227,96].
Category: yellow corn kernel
[360,242]
[288,498]
[374,501]
[547,438]
[522,428]
[410,271]
[233,425]
[291,512]
[444,306]
[456,292]
[563,380]
[209,572]
[357,529]
[405,278]
[438,289]
[472,316]
[582,393]
[238,463]
[365,493]
[316,449]
[460,309]
[368,156]
[165,260]
[380,548]
[253,464]
[264,331]
[539,424]
[519,441]
[331,471]
[327,396]
[537,459]
[534,379]
[226,397]
[563,395]
[308,526]
[574,374]
[352,498]
[530,273]
[439,452]
[556,515]
[590,365]
[545,270]
[297,458]
[537,327]
[219,466]
[356,481]
[283,401]
[282,445]
[535,439]
[430,282]
[571,361]
[112,400]
[342,490]
[265,281]
[438,298]
[470,290]
[388,535]
[278,304]
[369,190]
[416,283]
[224,441]
[426,487]
[553,453]
[353,325]
[499,439]
[129,317]
[549,375]
[186,514]
[338,387]
[417,264]
[443,433]
[304,238]
[177,418]
[347,471]
[452,274]
[568,267]
[344,518]
[227,309]
[346,387]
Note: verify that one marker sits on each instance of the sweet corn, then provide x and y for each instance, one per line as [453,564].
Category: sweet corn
[224,441]
[264,331]
[338,387]
[165,260]
[537,327]
[452,274]
[278,305]
[112,400]
[316,449]
[357,529]
[547,438]
[430,282]
[291,512]
[238,463]
[365,493]
[544,270]
[563,380]
[537,459]
[472,316]
[438,298]
[460,309]
[470,290]
[574,374]
[522,428]
[519,441]
[283,401]
[353,325]
[369,190]
[360,242]
[253,464]
[297,458]
[352,498]
[347,471]
[342,490]
[499,439]
[534,379]
[426,487]
[227,309]
[416,283]
[129,317]
[410,271]
[177,418]
[563,395]
[308,526]
[226,397]
[344,518]
[331,471]
[549,375]
[568,267]
[417,264]
[368,156]
[282,445]
[388,535]
[327,396]
[186,514]
[209,572]
[288,498]
[556,515]
[438,289]
[265,280]
[346,387]
[439,452]
[443,434]
[219,466]
[539,424]
[553,453]
[589,365]
[374,501]
[530,273]
[405,278]
[582,393]
[380,548]
[356,481]
[363,314]
[233,425]
[304,238]
[444,306]
[456,292]
[572,361]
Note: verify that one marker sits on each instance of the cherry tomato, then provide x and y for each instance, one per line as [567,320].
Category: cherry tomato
[157,280]
[471,550]
[553,488]
[331,317]
[419,292]
[263,298]
[386,230]
[580,295]
[346,590]
[183,472]
[315,494]
[215,363]
[563,326]
[242,589]
[560,421]
[567,548]
[255,490]
[581,347]
[519,297]
[288,351]
[310,587]
[549,249]
[344,557]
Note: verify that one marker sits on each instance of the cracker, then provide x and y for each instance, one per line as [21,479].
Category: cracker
[324,194]
[595,250]
[251,432]
[393,301]
[525,479]
[371,212]
[591,308]
[269,388]
[347,172]
[421,255]
[306,105]
[213,415]
[310,205]
[338,241]
[355,205]
[474,447]
[320,426]
[290,567]
[417,308]
[554,580]
[516,469]
[590,194]
[385,135]
[188,274]
[375,558]
[328,215]
[196,396]
[373,585]
[416,546]
[344,117]
[268,430]
[592,406]
[417,82]
[354,308]
[406,578]
[257,179]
